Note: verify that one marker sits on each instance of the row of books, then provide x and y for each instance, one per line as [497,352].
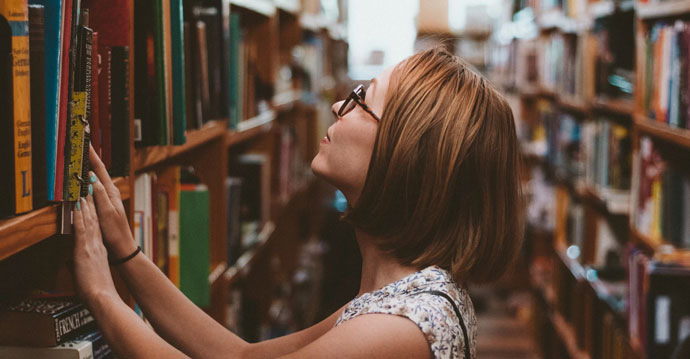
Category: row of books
[171,224]
[50,326]
[665,94]
[658,314]
[563,63]
[596,152]
[65,83]
[661,197]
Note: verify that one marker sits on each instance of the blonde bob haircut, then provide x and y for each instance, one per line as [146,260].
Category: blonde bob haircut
[443,182]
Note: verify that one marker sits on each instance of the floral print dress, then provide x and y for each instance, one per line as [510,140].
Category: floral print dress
[433,314]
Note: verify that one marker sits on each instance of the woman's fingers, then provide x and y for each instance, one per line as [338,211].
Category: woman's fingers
[91,209]
[79,228]
[101,174]
[104,206]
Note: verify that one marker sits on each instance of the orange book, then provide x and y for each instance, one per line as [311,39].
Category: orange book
[17,14]
[169,182]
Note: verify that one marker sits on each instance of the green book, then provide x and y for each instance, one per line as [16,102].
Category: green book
[161,86]
[234,71]
[178,66]
[194,243]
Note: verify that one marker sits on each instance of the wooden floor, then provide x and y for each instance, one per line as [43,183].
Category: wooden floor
[503,325]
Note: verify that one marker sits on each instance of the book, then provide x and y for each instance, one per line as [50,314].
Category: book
[16,12]
[255,171]
[179,86]
[169,183]
[79,130]
[161,72]
[44,322]
[119,126]
[668,316]
[111,20]
[87,346]
[234,110]
[53,37]
[194,243]
[233,195]
[39,122]
[95,119]
[143,209]
[6,119]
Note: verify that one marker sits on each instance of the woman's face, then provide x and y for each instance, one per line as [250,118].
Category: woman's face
[345,151]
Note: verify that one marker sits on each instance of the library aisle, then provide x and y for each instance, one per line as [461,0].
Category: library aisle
[208,113]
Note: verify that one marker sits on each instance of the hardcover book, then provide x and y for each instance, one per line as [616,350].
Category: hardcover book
[44,322]
[17,14]
[6,120]
[39,121]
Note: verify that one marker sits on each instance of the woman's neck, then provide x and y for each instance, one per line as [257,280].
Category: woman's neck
[378,268]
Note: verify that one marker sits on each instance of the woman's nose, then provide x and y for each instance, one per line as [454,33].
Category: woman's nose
[335,108]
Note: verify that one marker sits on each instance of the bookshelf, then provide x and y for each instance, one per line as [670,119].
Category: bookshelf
[585,294]
[271,107]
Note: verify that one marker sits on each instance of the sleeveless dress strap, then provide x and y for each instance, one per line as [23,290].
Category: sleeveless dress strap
[457,313]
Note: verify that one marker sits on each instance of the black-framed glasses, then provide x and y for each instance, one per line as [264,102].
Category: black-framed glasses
[356,98]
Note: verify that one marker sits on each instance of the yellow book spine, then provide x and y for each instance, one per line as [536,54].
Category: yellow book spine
[76,135]
[17,14]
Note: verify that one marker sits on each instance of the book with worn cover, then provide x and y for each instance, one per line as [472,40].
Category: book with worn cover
[79,130]
[87,346]
[39,121]
[6,120]
[17,14]
[53,36]
[44,322]
[119,126]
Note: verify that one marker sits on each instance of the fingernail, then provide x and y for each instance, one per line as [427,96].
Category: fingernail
[91,189]
[93,178]
[79,206]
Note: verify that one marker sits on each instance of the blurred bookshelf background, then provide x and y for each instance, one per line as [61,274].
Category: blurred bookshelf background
[209,116]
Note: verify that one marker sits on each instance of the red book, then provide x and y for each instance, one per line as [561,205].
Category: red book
[64,92]
[111,19]
[95,106]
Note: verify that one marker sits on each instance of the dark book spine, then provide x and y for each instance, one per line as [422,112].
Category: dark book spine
[105,108]
[94,121]
[6,121]
[120,111]
[38,104]
[72,323]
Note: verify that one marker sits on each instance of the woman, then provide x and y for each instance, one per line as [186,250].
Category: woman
[427,157]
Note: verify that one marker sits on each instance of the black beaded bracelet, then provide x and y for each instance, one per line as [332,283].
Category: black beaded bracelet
[125,259]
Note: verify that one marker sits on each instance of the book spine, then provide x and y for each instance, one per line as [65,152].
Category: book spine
[17,14]
[94,120]
[160,74]
[63,95]
[79,119]
[105,106]
[179,110]
[6,119]
[53,41]
[38,104]
[120,111]
[72,323]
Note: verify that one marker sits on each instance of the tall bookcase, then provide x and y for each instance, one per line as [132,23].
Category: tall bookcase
[575,73]
[34,256]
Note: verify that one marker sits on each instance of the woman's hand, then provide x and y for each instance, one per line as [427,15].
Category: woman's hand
[91,270]
[111,212]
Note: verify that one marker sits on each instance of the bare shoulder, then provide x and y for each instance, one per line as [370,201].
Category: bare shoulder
[369,336]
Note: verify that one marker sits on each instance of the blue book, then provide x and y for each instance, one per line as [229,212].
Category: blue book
[53,33]
[178,82]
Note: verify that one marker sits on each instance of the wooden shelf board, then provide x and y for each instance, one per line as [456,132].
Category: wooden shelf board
[289,6]
[262,7]
[616,204]
[617,106]
[663,9]
[576,269]
[147,157]
[573,104]
[536,91]
[259,125]
[217,273]
[314,23]
[234,272]
[601,9]
[642,239]
[23,231]
[286,100]
[663,131]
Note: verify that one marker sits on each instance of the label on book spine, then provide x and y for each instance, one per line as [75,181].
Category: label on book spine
[17,14]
